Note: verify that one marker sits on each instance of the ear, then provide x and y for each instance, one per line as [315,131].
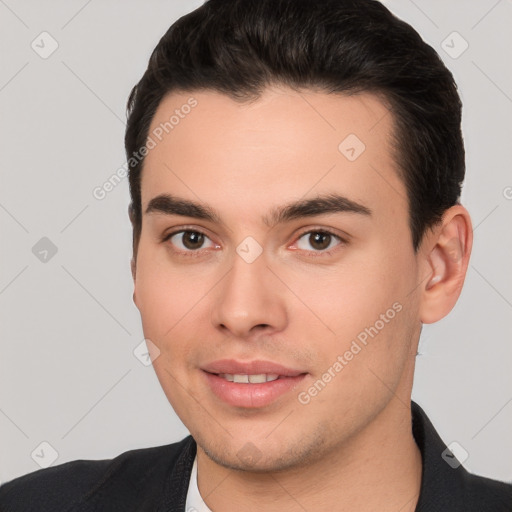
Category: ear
[133,261]
[446,258]
[133,267]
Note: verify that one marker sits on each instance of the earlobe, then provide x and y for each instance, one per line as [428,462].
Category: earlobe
[446,263]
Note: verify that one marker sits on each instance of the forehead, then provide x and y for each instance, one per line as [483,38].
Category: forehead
[283,146]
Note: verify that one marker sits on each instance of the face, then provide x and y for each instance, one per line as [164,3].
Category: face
[275,273]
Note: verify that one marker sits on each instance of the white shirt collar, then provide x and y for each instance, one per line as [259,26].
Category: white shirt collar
[195,502]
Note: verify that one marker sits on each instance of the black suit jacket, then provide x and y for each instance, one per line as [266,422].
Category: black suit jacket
[156,480]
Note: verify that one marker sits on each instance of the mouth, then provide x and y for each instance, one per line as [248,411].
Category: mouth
[253,384]
[241,378]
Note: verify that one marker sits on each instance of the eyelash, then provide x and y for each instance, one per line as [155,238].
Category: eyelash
[329,252]
[315,254]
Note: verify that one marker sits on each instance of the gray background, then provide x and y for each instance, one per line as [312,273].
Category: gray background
[68,375]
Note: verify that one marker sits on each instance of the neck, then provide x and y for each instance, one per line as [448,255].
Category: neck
[377,469]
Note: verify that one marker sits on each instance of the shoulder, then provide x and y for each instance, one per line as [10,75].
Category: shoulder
[59,487]
[483,493]
[446,485]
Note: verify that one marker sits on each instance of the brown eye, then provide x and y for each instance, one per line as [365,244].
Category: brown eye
[192,239]
[318,241]
[187,241]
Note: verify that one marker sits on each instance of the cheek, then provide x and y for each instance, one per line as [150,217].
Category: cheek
[346,298]
[365,301]
[175,308]
[164,296]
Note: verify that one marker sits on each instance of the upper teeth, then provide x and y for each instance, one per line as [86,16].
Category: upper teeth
[246,379]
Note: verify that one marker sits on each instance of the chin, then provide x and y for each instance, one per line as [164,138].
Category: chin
[264,456]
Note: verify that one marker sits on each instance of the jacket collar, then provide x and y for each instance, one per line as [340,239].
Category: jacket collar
[442,483]
[442,486]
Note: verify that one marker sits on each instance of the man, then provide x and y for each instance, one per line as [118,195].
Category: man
[295,174]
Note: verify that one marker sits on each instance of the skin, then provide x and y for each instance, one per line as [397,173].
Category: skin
[351,446]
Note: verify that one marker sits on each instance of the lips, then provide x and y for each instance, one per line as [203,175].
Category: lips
[250,384]
[232,367]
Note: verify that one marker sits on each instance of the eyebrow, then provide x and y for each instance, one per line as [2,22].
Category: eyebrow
[321,205]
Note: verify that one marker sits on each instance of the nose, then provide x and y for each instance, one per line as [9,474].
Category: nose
[249,299]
